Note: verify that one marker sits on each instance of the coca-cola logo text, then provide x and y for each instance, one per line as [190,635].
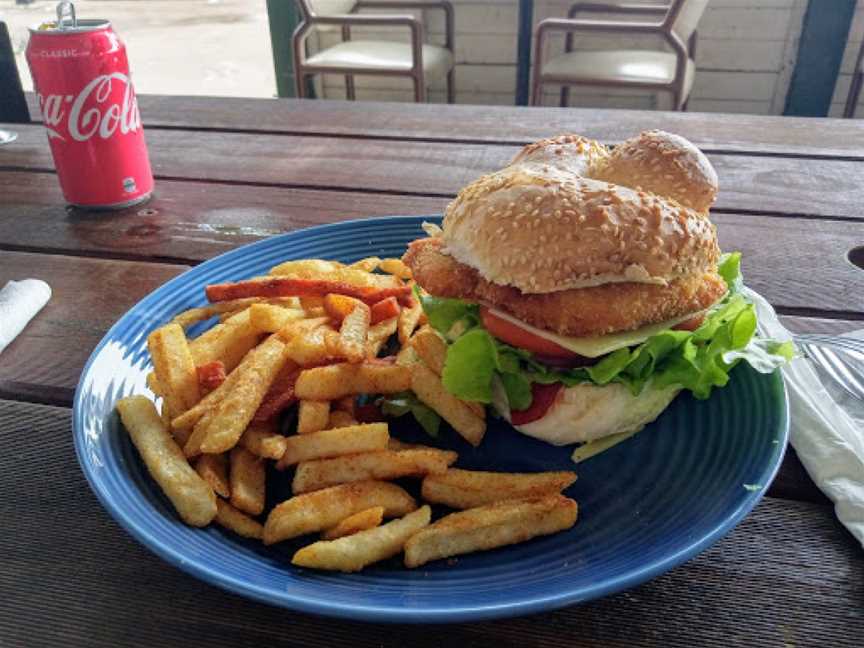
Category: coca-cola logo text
[91,113]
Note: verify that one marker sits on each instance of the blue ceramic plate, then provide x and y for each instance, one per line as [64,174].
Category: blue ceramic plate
[645,506]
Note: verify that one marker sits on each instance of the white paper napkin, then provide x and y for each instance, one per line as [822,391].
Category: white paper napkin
[19,303]
[827,428]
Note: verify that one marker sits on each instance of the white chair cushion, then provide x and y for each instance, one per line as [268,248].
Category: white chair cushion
[609,66]
[382,55]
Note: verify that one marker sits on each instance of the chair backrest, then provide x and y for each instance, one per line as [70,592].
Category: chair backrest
[331,7]
[687,14]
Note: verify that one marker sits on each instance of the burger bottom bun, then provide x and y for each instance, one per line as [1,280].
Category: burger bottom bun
[587,412]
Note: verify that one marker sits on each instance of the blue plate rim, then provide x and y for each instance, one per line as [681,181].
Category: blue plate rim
[384,614]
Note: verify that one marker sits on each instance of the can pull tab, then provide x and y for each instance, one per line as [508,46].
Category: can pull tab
[66,16]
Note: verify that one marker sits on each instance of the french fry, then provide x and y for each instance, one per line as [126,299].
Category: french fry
[333,271]
[190,417]
[268,318]
[280,396]
[192,447]
[333,443]
[396,444]
[396,268]
[307,268]
[311,348]
[353,553]
[325,508]
[291,287]
[235,411]
[261,440]
[230,518]
[380,464]
[428,388]
[174,367]
[378,335]
[229,342]
[189,317]
[191,496]
[408,318]
[303,326]
[338,380]
[384,310]
[464,489]
[211,375]
[431,348]
[490,526]
[407,356]
[153,384]
[312,416]
[339,419]
[352,334]
[367,265]
[214,470]
[224,317]
[247,481]
[368,519]
[338,307]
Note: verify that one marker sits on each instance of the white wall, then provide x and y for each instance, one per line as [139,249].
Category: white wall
[745,57]
[841,90]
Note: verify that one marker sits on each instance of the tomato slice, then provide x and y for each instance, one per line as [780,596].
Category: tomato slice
[691,324]
[542,398]
[515,335]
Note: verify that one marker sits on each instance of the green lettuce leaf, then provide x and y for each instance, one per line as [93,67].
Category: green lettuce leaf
[405,402]
[697,360]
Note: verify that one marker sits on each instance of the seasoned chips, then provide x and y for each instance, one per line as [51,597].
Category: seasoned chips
[189,493]
[325,508]
[291,375]
[491,526]
[354,552]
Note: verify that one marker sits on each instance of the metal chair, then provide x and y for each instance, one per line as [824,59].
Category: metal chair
[13,105]
[653,70]
[855,87]
[417,60]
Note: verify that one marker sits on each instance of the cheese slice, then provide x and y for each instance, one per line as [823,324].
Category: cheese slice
[594,347]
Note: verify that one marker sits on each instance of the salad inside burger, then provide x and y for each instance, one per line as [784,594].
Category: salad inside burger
[581,289]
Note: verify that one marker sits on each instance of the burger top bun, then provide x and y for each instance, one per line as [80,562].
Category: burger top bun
[568,213]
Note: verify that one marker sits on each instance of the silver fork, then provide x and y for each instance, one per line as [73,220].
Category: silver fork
[841,359]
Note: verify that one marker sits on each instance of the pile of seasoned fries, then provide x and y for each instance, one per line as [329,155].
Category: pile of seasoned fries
[307,339]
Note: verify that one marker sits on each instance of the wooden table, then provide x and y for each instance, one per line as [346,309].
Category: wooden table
[232,171]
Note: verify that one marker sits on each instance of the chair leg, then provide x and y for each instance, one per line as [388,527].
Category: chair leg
[451,89]
[350,94]
[419,89]
[537,91]
[565,96]
[854,94]
[300,84]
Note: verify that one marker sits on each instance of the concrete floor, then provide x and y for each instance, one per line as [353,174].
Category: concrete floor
[191,47]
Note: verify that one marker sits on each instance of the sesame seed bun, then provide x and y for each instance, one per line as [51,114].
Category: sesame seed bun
[566,214]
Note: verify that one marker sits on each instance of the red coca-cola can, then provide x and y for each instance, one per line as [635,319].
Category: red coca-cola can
[81,75]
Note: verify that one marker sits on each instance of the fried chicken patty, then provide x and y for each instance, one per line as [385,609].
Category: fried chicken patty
[581,312]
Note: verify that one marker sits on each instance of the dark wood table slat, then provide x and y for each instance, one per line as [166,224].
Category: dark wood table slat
[831,188]
[788,575]
[191,222]
[89,295]
[44,363]
[499,124]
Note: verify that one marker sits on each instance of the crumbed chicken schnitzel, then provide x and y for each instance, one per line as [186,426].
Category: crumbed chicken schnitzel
[581,312]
